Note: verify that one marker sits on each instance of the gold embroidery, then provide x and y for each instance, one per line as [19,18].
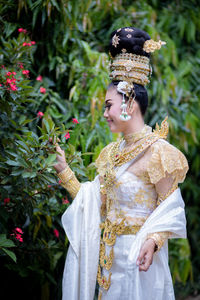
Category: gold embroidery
[102,280]
[106,261]
[110,232]
[144,198]
[166,158]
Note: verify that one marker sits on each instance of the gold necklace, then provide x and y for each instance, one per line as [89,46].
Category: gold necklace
[136,136]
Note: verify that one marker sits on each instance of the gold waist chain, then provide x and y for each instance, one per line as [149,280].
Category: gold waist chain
[109,234]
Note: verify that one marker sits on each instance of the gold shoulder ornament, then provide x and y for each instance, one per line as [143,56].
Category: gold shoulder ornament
[163,130]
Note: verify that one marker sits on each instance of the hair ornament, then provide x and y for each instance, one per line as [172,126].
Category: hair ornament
[115,40]
[129,29]
[151,45]
[124,88]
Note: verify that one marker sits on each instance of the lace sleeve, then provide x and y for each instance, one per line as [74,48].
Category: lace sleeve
[166,159]
[167,167]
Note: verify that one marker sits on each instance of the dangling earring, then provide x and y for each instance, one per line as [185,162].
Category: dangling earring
[124,115]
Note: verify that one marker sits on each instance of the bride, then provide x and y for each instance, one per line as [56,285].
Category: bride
[118,225]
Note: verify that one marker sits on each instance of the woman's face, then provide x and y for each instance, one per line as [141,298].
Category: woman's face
[112,112]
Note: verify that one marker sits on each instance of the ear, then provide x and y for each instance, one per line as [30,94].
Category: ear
[131,106]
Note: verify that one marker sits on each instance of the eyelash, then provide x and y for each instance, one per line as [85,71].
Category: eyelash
[109,105]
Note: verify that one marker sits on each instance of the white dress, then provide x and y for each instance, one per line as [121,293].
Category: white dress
[137,198]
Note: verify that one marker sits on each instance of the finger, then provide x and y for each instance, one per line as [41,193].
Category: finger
[140,257]
[147,262]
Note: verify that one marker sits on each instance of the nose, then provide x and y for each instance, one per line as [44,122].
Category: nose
[105,113]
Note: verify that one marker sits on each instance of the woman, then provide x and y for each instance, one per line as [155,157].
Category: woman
[118,225]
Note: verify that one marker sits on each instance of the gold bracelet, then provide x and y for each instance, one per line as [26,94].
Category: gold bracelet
[69,181]
[66,174]
[159,238]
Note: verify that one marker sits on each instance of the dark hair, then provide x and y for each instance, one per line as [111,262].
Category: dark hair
[141,95]
[130,38]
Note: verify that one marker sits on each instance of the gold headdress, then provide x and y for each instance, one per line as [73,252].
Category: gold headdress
[131,67]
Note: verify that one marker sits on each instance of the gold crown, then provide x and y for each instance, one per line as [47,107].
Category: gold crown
[130,67]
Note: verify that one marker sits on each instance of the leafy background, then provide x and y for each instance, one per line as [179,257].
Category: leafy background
[70,53]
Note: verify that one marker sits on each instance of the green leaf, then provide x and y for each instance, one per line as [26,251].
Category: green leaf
[50,159]
[4,242]
[11,254]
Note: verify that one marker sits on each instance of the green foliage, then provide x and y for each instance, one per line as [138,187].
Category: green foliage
[71,39]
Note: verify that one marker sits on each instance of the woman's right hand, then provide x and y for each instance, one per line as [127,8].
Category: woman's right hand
[61,160]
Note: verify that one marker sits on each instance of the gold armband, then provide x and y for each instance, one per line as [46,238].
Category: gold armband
[159,238]
[69,181]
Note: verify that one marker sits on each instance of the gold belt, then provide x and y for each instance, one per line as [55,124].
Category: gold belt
[111,230]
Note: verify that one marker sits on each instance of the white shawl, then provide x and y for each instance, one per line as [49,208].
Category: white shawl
[81,223]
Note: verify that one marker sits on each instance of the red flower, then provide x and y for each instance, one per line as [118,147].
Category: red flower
[13,87]
[14,73]
[19,237]
[67,135]
[56,233]
[19,230]
[75,121]
[6,201]
[8,80]
[26,44]
[39,78]
[65,200]
[8,74]
[40,114]
[60,181]
[22,30]
[42,90]
[25,72]
[33,42]
[18,234]
[21,65]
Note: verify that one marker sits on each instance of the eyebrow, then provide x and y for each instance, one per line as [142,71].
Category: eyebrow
[107,100]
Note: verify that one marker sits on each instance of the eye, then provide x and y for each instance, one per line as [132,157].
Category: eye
[108,106]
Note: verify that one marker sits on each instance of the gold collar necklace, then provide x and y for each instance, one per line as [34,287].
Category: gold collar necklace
[134,137]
